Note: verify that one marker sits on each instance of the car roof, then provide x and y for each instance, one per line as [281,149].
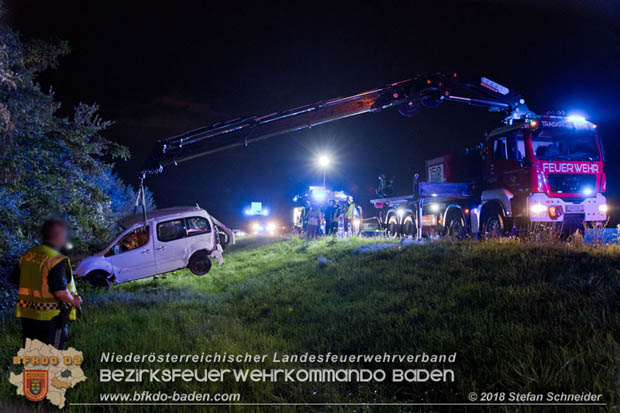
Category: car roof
[157,214]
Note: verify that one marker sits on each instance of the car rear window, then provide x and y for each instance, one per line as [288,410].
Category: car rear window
[197,226]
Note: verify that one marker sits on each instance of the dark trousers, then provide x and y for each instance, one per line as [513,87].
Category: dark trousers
[45,331]
[331,227]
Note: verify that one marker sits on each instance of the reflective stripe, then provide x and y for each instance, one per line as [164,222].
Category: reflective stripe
[38,306]
[28,291]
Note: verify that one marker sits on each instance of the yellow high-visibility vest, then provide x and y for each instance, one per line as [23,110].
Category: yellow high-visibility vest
[351,210]
[34,299]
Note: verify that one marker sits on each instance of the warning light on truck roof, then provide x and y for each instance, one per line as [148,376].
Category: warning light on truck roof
[576,118]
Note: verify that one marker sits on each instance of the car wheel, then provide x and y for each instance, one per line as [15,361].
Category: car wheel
[98,279]
[200,263]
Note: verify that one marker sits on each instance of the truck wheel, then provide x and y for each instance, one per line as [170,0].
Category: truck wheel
[494,224]
[98,279]
[200,263]
[408,227]
[455,225]
[393,227]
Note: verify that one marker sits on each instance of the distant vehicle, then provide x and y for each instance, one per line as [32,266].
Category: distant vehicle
[260,223]
[174,238]
[317,197]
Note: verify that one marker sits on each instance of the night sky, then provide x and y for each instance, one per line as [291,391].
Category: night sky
[160,68]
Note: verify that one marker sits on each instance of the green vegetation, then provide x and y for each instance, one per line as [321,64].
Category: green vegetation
[53,161]
[522,317]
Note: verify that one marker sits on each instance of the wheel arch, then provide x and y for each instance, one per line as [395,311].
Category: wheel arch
[90,264]
[453,209]
[491,205]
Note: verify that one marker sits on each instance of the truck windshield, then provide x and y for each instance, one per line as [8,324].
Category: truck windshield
[566,145]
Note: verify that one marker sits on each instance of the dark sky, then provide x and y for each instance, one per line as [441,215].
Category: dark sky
[160,68]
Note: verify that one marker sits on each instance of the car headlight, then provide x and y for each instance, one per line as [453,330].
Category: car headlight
[271,227]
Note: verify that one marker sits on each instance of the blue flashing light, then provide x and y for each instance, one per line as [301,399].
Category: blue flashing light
[576,118]
[319,194]
[587,191]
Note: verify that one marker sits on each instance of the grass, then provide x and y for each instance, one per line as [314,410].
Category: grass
[521,317]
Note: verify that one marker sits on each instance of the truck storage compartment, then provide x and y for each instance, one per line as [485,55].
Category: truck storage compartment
[464,166]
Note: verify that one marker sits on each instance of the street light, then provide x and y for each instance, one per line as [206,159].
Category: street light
[323,162]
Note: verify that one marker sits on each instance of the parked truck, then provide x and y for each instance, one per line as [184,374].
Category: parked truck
[536,169]
[531,169]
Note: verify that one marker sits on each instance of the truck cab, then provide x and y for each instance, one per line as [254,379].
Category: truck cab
[547,169]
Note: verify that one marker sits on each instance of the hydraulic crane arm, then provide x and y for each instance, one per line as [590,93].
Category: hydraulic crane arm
[408,96]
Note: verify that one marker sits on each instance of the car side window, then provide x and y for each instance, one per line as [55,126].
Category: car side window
[197,226]
[130,241]
[171,230]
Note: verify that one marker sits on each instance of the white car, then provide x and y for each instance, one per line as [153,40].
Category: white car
[173,238]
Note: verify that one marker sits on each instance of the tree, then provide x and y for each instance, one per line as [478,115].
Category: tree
[51,165]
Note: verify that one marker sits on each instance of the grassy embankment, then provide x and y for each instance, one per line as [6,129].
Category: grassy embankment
[521,318]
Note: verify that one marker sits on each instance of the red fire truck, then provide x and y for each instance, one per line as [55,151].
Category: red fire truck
[537,169]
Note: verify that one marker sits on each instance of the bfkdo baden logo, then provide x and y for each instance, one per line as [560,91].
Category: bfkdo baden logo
[47,372]
[35,384]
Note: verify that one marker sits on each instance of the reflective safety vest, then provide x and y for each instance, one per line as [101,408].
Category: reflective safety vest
[351,210]
[34,299]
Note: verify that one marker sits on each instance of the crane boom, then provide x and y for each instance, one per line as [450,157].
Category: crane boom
[428,90]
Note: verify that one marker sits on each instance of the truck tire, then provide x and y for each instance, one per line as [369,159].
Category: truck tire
[455,225]
[408,226]
[393,227]
[494,224]
[200,263]
[98,279]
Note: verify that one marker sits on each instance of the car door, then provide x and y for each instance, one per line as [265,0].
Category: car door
[132,256]
[178,238]
[170,245]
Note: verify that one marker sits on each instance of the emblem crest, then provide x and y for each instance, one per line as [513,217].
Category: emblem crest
[36,384]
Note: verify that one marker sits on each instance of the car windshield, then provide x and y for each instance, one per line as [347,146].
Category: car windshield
[566,145]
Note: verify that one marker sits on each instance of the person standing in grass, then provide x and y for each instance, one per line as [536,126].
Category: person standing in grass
[332,213]
[314,219]
[351,214]
[47,297]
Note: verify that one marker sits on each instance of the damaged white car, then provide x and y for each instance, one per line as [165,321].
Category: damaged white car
[173,238]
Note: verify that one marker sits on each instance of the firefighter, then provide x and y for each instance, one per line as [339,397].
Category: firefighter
[351,213]
[332,214]
[314,220]
[386,186]
[47,296]
[304,216]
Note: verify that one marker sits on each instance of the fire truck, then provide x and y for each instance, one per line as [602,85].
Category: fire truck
[530,169]
[537,169]
[318,197]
